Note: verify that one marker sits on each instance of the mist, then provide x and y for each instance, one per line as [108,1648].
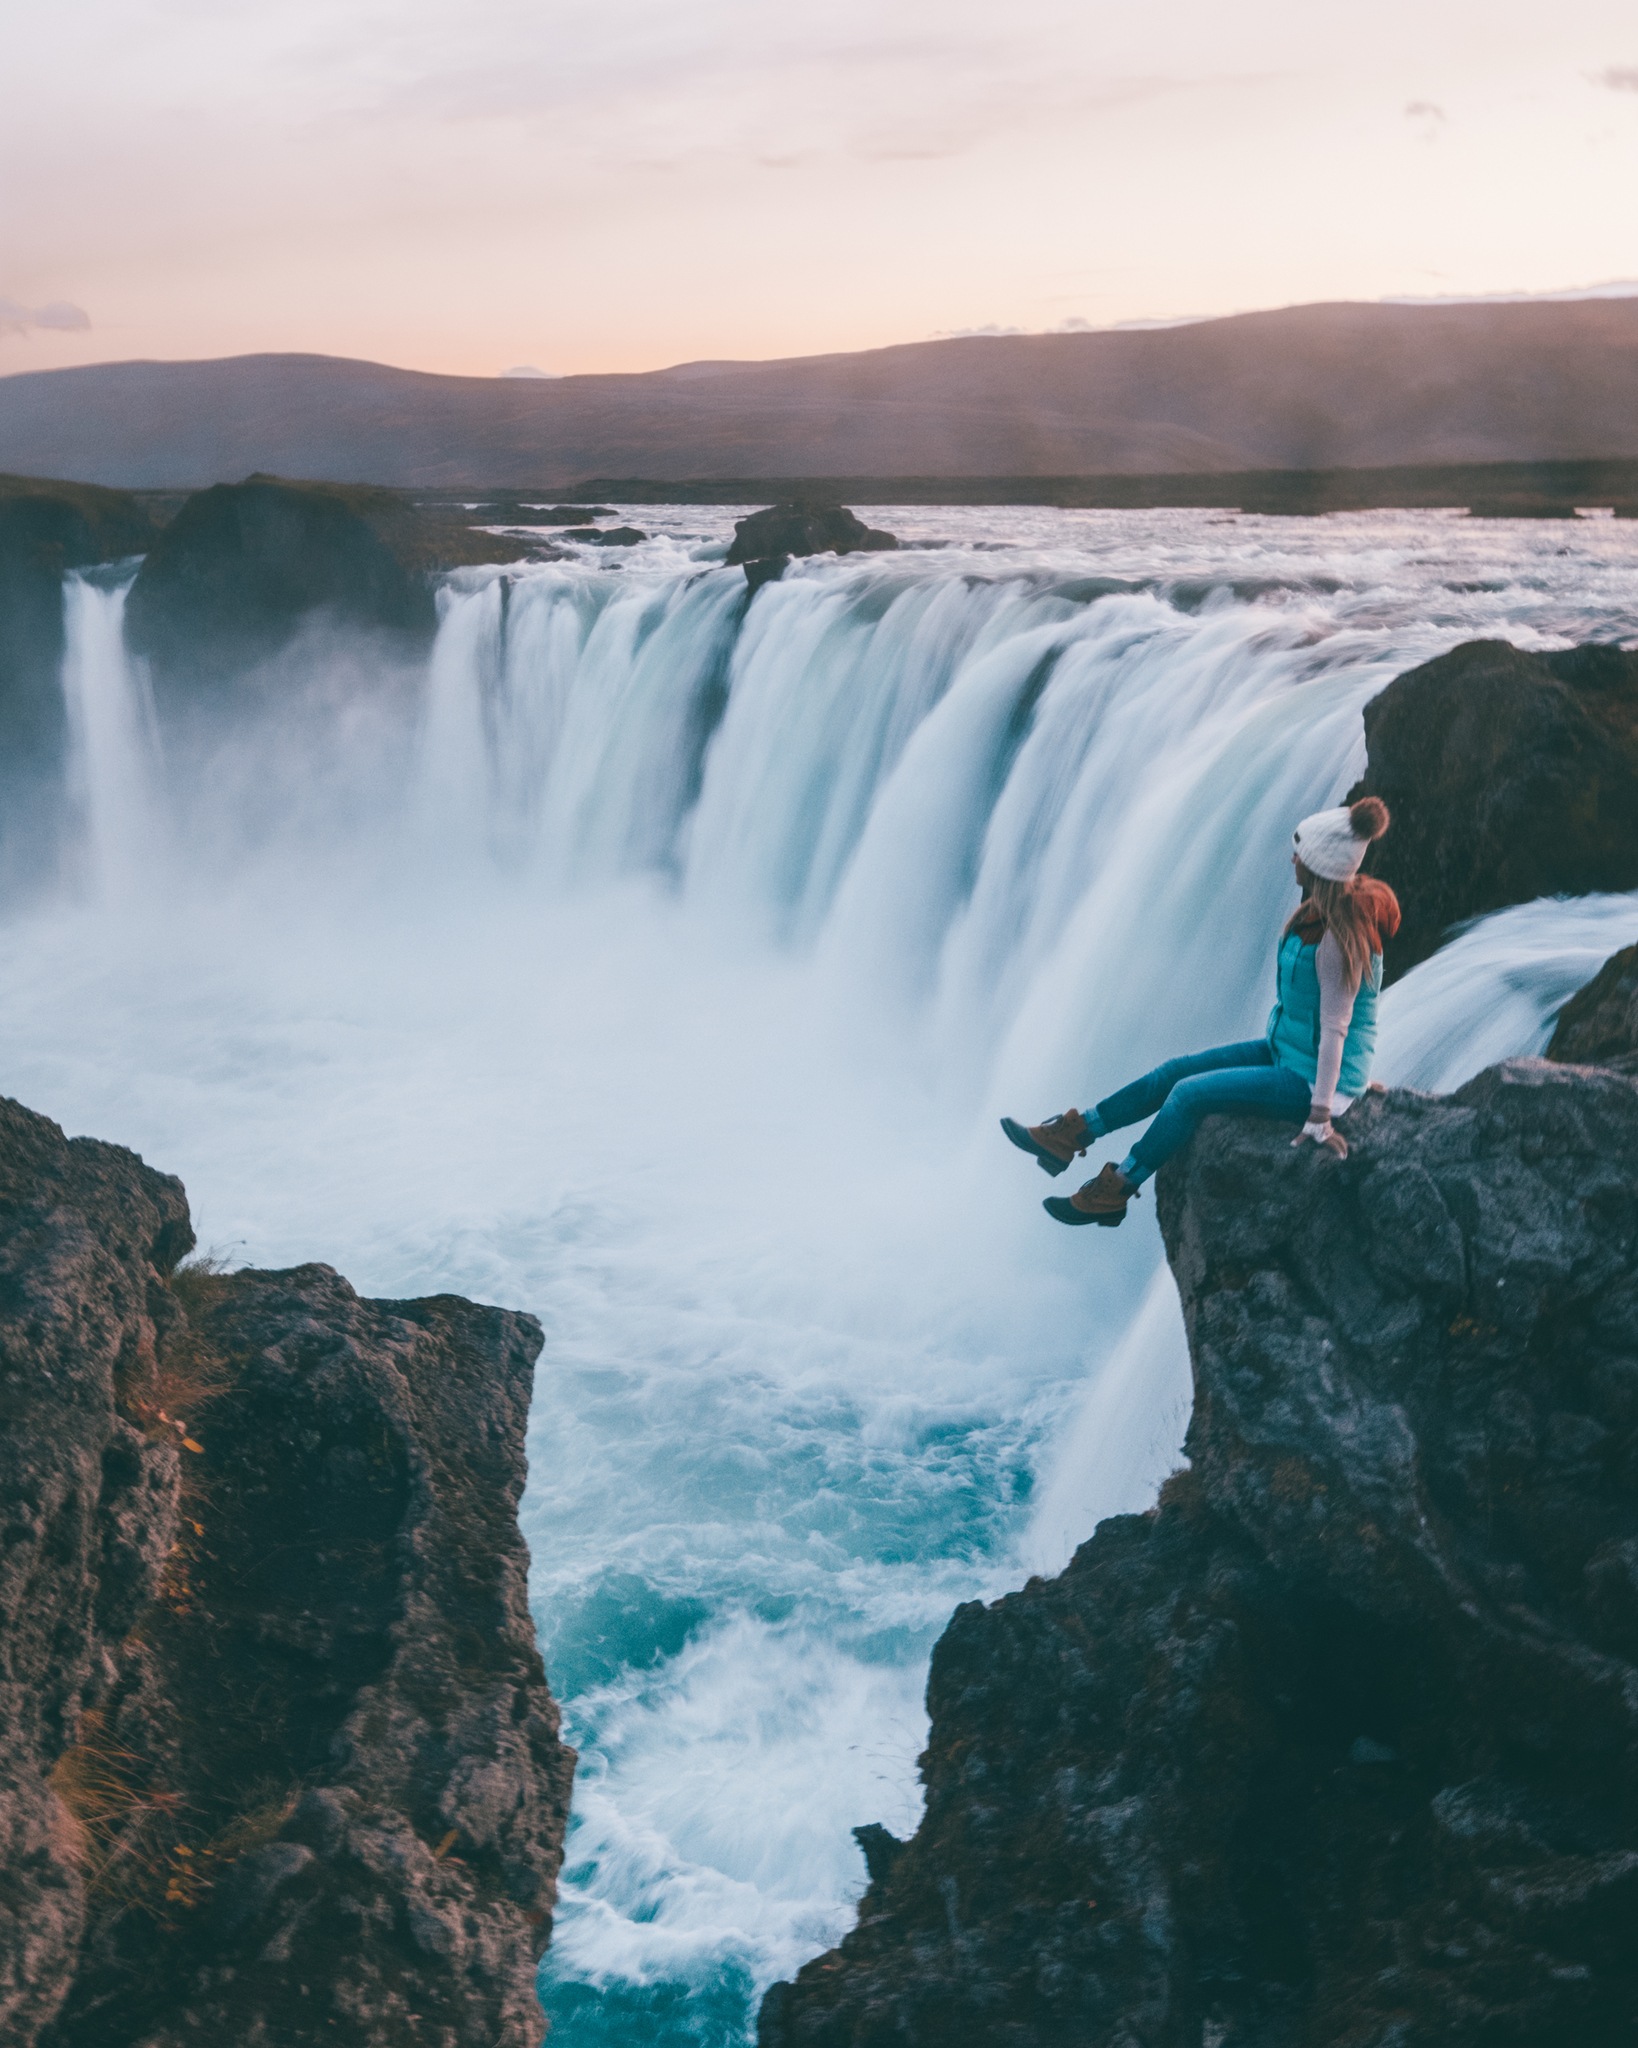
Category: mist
[660,964]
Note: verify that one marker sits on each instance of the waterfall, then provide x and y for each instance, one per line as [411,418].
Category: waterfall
[664,974]
[112,739]
[967,796]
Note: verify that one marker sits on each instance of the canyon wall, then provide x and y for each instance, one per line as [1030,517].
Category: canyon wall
[277,1757]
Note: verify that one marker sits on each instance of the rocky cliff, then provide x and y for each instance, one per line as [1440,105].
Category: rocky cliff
[1510,775]
[277,1759]
[1339,1744]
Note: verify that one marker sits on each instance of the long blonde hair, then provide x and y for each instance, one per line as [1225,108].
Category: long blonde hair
[1359,913]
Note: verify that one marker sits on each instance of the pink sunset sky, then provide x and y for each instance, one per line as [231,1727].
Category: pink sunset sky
[578,187]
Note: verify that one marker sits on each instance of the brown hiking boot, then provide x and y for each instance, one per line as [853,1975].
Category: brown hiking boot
[1102,1200]
[1054,1143]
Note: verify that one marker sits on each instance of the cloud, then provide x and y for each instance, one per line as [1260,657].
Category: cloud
[1619,78]
[59,316]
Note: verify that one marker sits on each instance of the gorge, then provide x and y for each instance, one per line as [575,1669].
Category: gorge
[653,957]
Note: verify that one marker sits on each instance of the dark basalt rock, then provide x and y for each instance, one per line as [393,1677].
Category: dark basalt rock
[568,515]
[243,566]
[1338,1746]
[606,536]
[1510,775]
[765,569]
[277,1758]
[803,529]
[1598,1026]
[87,1234]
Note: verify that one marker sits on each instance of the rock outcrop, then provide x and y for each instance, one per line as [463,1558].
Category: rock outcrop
[607,536]
[242,566]
[766,541]
[1510,775]
[1339,1744]
[1598,1026]
[277,1759]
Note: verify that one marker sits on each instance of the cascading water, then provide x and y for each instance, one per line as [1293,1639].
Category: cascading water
[672,992]
[112,742]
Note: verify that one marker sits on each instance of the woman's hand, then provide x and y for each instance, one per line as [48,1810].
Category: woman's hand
[1319,1130]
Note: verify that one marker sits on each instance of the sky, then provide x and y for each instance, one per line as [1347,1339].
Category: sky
[578,187]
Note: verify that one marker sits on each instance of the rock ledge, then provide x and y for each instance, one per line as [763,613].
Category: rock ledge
[1338,1745]
[277,1758]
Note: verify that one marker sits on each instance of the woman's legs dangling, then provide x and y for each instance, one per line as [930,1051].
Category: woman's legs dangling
[1240,1080]
[1056,1142]
[1264,1090]
[1144,1096]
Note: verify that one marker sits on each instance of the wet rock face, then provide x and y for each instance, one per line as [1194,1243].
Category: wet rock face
[281,1759]
[786,530]
[243,566]
[1510,775]
[1340,1744]
[88,1500]
[1598,1026]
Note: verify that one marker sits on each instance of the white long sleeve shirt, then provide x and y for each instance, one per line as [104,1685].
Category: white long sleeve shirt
[1337,993]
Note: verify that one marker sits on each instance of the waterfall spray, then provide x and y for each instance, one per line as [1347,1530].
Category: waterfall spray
[752,912]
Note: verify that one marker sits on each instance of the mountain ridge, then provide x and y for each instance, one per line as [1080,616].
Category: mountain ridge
[1305,387]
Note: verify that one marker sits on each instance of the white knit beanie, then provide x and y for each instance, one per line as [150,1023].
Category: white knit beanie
[1332,844]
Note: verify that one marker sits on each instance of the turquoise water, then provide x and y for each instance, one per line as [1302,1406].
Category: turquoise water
[661,967]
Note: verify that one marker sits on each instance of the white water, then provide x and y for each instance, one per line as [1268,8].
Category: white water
[690,1035]
[113,748]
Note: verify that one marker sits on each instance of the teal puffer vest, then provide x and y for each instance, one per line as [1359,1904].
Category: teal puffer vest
[1294,1023]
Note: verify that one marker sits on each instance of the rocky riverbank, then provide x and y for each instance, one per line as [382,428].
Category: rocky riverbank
[277,1758]
[1339,1744]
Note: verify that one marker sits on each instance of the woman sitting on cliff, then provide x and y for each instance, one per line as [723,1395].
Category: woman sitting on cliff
[1315,1058]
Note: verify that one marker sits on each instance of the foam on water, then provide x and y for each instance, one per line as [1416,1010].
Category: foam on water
[664,975]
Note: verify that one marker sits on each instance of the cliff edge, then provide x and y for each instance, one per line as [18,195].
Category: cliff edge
[278,1763]
[1339,1744]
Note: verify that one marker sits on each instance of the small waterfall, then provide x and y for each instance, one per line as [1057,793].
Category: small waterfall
[113,753]
[1495,990]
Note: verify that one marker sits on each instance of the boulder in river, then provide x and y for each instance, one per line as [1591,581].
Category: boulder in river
[1337,1747]
[568,515]
[804,529]
[277,1758]
[1510,775]
[606,536]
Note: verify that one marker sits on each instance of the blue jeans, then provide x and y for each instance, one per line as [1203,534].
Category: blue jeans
[1229,1080]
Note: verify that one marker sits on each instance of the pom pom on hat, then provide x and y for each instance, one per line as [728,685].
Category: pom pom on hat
[1331,844]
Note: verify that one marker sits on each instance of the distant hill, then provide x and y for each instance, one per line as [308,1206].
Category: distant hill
[1311,387]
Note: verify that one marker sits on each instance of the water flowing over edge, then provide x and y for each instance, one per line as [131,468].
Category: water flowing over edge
[1005,840]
